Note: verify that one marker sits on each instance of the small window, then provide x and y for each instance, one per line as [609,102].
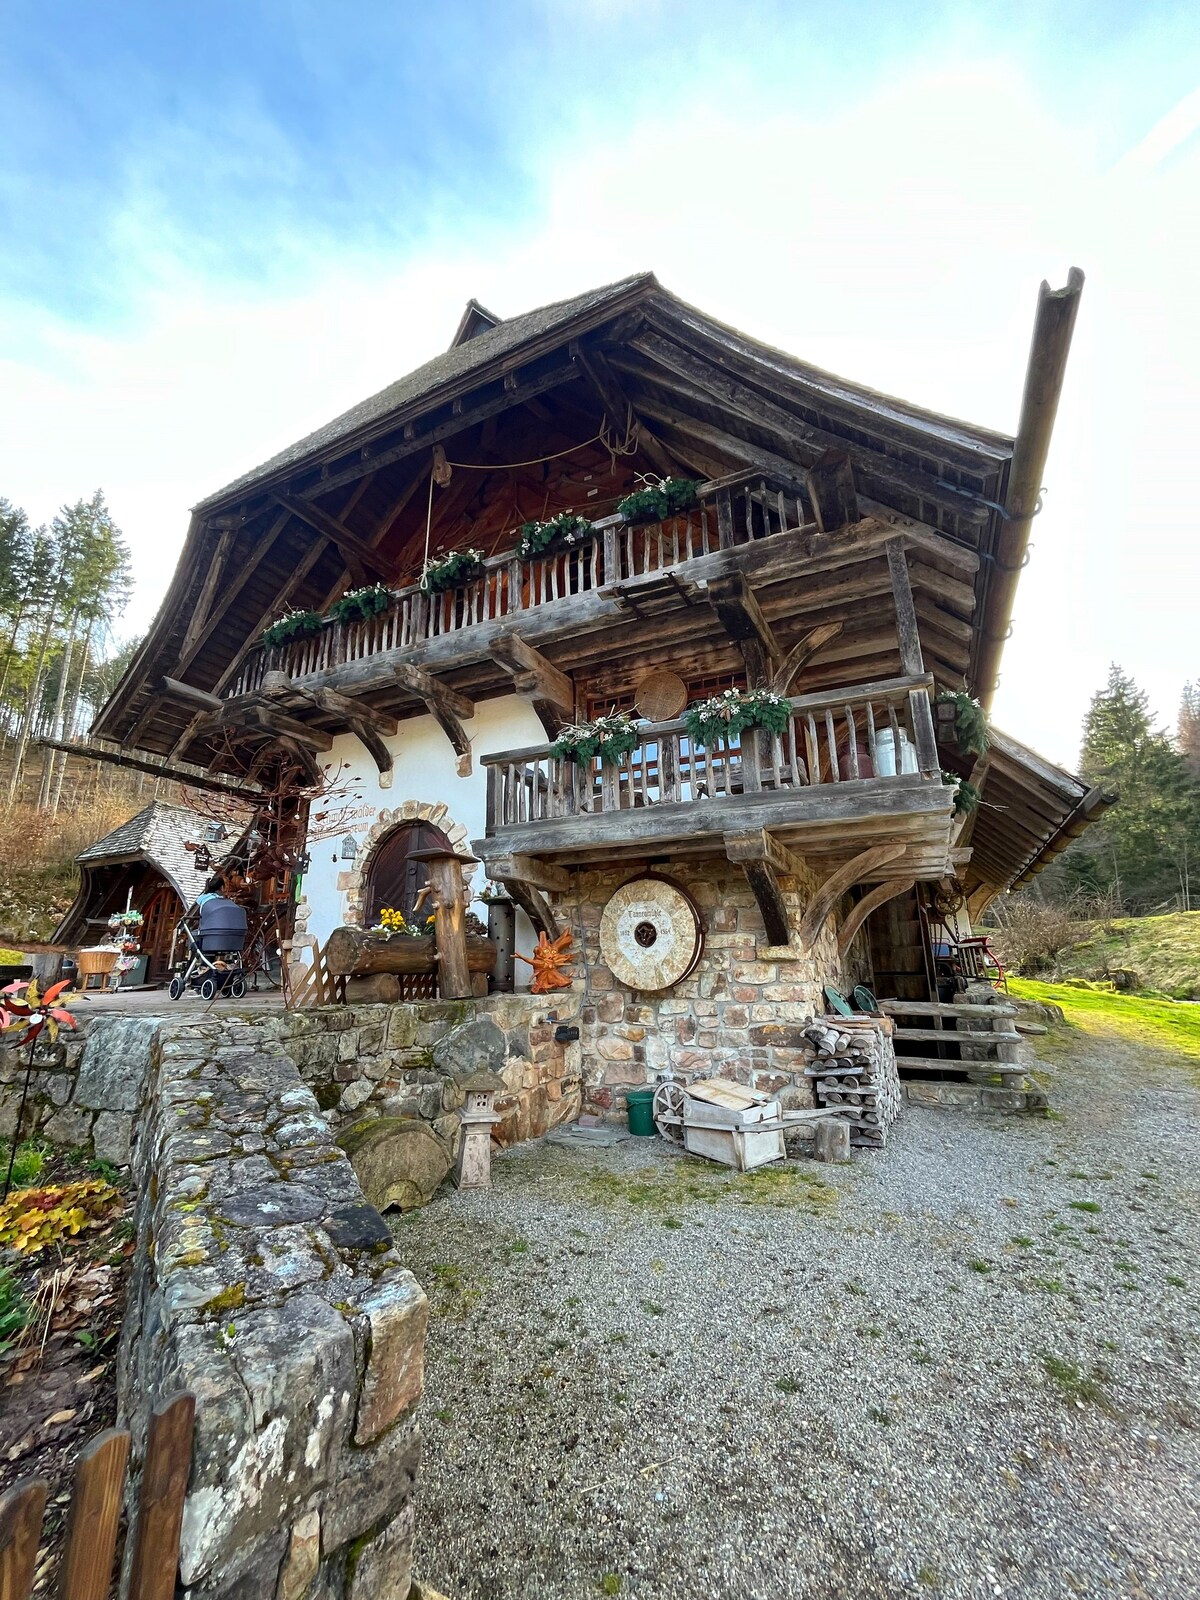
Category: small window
[393,877]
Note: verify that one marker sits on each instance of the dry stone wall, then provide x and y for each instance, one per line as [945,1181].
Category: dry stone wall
[741,1013]
[266,1285]
[407,1061]
[85,1088]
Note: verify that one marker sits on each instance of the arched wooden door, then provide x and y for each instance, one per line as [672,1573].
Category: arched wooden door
[161,912]
[393,878]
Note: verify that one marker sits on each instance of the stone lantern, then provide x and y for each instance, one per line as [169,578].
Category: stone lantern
[478,1117]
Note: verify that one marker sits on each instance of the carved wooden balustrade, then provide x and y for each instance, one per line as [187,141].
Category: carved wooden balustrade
[731,511]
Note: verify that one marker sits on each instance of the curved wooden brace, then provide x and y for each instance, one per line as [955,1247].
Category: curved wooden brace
[802,653]
[835,886]
[878,896]
[533,905]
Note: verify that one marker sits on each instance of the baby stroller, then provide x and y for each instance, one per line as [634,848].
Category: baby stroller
[215,963]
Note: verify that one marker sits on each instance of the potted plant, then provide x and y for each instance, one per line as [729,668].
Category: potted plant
[292,625]
[611,738]
[724,716]
[358,605]
[965,720]
[657,499]
[451,570]
[556,532]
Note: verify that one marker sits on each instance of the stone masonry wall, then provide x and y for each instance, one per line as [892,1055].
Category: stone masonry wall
[406,1060]
[264,1284]
[85,1088]
[739,1015]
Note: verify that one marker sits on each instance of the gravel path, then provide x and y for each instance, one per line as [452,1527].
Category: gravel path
[966,1366]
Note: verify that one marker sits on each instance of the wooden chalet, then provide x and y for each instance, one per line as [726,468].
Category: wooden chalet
[855,552]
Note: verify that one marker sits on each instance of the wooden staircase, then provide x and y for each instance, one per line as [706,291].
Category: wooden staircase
[975,1052]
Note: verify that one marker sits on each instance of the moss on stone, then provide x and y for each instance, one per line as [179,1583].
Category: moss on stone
[231,1299]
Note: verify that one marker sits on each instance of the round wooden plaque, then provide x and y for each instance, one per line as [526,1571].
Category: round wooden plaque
[661,696]
[650,934]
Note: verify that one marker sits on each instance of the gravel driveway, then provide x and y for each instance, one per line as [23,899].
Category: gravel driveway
[966,1366]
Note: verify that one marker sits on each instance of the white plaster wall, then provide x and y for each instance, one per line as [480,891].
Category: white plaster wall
[424,771]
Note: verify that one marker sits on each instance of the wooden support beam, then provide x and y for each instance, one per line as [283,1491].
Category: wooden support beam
[447,708]
[529,869]
[619,407]
[830,483]
[537,680]
[245,570]
[533,905]
[741,616]
[357,552]
[963,827]
[802,653]
[212,579]
[157,767]
[263,717]
[878,896]
[759,845]
[912,663]
[194,696]
[762,858]
[837,883]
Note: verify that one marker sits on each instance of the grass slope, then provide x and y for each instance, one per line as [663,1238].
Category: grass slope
[1163,951]
[1166,1024]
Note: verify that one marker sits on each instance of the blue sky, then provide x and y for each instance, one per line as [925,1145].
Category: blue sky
[222,223]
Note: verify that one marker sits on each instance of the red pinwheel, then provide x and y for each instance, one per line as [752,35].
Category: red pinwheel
[29,1011]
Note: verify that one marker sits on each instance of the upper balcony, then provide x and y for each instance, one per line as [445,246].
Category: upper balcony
[617,569]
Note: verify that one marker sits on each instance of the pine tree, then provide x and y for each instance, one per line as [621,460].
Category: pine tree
[1141,850]
[1187,735]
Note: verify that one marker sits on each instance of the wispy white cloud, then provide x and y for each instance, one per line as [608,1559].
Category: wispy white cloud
[899,241]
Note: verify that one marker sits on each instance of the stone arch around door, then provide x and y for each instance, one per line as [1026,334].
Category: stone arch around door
[385,824]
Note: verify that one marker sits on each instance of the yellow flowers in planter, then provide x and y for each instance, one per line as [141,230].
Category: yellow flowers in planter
[31,1219]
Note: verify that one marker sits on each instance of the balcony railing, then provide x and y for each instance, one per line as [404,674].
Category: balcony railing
[731,511]
[872,731]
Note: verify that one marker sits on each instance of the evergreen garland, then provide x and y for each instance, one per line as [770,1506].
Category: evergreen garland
[658,499]
[611,738]
[449,571]
[970,723]
[565,528]
[724,716]
[292,625]
[359,604]
[966,795]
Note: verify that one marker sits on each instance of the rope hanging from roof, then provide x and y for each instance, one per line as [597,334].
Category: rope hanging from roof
[439,470]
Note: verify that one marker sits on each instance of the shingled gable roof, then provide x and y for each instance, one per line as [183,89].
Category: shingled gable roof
[442,373]
[157,834]
[478,346]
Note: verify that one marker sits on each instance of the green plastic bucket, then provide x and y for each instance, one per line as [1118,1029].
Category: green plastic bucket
[640,1106]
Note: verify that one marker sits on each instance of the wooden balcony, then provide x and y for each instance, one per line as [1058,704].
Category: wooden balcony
[613,566]
[855,768]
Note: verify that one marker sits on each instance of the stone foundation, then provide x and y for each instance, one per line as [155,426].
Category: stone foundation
[408,1060]
[740,1014]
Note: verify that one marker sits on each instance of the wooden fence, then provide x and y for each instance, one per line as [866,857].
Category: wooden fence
[93,1521]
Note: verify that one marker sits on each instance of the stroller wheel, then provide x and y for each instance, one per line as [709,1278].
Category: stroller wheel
[208,989]
[176,988]
[237,988]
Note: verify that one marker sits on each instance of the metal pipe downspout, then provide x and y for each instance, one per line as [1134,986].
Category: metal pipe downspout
[1052,330]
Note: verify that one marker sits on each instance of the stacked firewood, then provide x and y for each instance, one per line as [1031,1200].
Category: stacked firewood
[853,1067]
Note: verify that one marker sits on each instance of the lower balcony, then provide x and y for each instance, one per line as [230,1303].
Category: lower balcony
[854,777]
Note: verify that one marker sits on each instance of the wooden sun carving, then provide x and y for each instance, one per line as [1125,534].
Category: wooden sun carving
[549,961]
